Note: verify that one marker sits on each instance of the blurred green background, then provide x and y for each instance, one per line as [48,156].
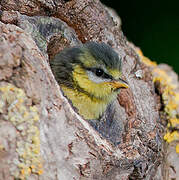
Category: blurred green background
[153,26]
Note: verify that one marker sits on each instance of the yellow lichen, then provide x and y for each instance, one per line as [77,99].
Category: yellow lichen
[177,97]
[25,118]
[177,148]
[171,105]
[174,122]
[146,60]
[170,98]
[171,136]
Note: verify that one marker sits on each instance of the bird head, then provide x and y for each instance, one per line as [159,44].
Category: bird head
[93,69]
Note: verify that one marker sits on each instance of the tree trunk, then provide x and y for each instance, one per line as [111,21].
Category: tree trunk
[41,136]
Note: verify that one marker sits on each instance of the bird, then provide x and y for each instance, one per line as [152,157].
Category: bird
[89,76]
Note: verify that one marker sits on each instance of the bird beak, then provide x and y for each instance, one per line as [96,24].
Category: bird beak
[119,84]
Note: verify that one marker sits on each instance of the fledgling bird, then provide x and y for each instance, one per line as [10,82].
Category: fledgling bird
[90,76]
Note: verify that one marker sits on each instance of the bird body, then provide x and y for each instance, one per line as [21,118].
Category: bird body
[89,108]
[90,76]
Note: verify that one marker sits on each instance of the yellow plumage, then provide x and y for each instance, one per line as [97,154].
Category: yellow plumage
[89,76]
[90,107]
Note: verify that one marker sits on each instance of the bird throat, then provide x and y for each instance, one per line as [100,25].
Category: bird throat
[89,107]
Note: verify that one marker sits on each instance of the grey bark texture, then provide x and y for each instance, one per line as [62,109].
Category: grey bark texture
[41,136]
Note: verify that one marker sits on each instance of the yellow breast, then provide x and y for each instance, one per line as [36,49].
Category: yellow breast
[96,96]
[89,108]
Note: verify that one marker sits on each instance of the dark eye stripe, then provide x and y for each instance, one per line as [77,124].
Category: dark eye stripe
[105,75]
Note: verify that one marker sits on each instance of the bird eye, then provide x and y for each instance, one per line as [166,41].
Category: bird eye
[99,72]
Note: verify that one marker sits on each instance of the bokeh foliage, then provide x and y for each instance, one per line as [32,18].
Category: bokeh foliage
[153,26]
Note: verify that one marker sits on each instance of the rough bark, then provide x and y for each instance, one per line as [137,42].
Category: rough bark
[41,136]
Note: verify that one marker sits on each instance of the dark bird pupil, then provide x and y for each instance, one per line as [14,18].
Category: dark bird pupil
[99,72]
